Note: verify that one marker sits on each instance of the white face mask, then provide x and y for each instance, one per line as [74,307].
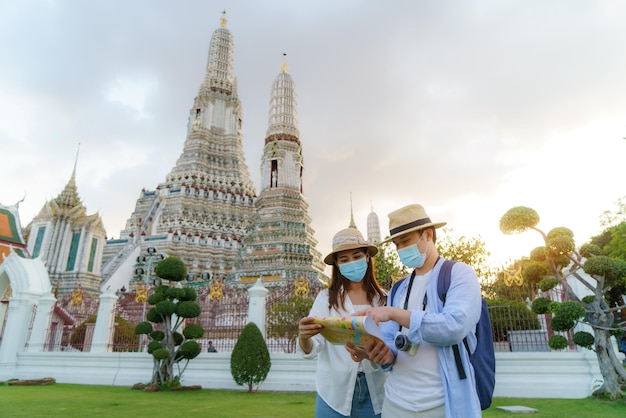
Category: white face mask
[411,256]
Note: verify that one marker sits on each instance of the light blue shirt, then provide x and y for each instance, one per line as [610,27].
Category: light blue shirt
[445,327]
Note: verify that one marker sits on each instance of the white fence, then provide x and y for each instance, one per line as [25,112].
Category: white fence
[519,375]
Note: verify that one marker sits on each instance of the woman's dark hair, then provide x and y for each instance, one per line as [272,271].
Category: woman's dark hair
[338,284]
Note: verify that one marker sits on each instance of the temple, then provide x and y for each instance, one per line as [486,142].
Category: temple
[207,212]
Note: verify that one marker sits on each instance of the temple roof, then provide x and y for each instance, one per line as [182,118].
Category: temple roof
[11,232]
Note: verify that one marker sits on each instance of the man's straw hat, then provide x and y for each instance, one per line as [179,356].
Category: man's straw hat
[407,219]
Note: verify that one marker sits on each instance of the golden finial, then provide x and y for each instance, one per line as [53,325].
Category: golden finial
[223,19]
[284,67]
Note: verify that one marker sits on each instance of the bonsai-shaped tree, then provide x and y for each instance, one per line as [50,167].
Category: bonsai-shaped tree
[563,261]
[250,361]
[171,305]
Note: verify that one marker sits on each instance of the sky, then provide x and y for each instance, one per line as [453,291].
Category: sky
[468,108]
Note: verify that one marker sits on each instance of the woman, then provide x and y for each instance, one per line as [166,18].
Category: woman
[347,386]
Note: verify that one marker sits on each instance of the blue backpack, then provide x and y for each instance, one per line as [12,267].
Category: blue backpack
[483,359]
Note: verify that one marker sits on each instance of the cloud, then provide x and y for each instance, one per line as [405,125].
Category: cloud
[469,108]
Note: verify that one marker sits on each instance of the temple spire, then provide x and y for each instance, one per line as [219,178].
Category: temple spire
[75,163]
[68,198]
[223,20]
[283,114]
[352,224]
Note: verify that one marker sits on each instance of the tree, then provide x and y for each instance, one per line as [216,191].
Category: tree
[172,305]
[123,336]
[387,266]
[564,262]
[471,251]
[283,318]
[250,361]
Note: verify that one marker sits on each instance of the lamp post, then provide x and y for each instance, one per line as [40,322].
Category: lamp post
[145,275]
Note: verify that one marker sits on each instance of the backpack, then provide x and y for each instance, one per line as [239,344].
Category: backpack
[483,359]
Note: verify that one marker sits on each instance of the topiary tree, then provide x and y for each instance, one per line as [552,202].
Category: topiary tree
[250,361]
[171,306]
[564,262]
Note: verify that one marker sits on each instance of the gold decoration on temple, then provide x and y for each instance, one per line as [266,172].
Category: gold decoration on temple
[141,295]
[512,277]
[301,287]
[223,20]
[77,296]
[215,291]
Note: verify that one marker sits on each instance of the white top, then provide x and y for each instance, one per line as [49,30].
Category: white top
[417,377]
[336,371]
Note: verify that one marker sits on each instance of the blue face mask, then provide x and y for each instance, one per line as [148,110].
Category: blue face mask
[411,256]
[354,270]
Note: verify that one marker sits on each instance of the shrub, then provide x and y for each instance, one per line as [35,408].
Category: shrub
[583,339]
[541,305]
[250,361]
[558,342]
[172,269]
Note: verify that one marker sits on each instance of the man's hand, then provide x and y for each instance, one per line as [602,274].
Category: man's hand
[379,352]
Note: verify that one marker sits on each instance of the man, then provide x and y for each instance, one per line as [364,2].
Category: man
[424,379]
[211,349]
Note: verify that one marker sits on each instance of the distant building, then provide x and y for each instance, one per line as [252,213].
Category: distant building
[373,228]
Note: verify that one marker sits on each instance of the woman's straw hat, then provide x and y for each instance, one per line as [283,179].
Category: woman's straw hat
[348,239]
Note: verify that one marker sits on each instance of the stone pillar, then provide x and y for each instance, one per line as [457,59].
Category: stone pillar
[16,329]
[105,323]
[256,307]
[41,324]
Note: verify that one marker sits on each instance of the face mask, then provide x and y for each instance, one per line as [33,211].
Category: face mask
[411,257]
[354,270]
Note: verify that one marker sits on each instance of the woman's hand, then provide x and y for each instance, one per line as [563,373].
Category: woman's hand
[356,353]
[307,329]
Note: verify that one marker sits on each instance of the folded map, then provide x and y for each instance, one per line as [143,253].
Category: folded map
[358,330]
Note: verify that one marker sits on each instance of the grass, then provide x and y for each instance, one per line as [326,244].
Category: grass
[68,401]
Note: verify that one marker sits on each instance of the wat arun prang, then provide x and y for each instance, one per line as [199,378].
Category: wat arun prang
[207,212]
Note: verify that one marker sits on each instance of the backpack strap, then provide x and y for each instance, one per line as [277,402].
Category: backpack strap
[393,291]
[443,284]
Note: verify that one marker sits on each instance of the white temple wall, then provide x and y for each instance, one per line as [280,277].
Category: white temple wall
[519,375]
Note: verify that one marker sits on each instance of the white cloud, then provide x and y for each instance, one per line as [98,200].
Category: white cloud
[468,108]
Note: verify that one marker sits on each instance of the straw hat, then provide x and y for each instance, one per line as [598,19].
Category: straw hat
[407,219]
[348,239]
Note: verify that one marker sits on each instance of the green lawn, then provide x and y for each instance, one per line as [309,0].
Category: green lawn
[67,401]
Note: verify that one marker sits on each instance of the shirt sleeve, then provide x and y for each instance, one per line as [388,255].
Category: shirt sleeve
[319,308]
[448,324]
